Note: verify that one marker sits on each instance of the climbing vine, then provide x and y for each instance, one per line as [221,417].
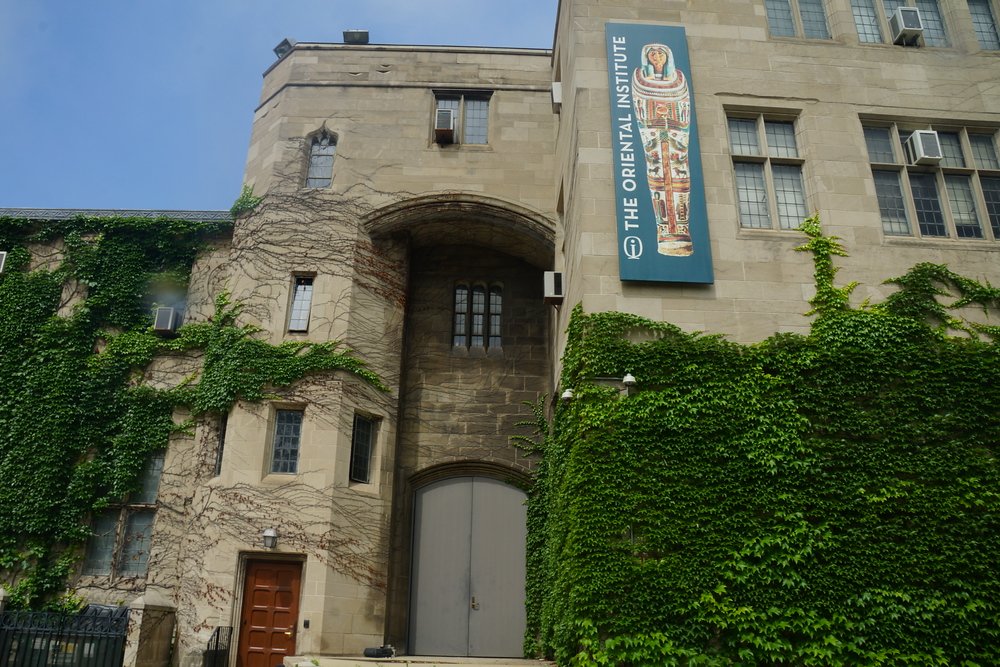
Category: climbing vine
[824,499]
[77,419]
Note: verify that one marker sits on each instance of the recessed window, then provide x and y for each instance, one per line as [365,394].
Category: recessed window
[321,153]
[362,448]
[949,199]
[470,114]
[872,20]
[120,543]
[286,442]
[478,318]
[223,427]
[797,18]
[984,22]
[302,290]
[768,172]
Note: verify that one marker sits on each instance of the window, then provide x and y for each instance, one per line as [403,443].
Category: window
[873,24]
[362,446]
[471,112]
[985,24]
[120,542]
[796,18]
[321,154]
[223,425]
[302,290]
[478,312]
[768,173]
[945,200]
[287,438]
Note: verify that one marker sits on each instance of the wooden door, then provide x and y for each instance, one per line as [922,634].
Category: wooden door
[467,587]
[270,613]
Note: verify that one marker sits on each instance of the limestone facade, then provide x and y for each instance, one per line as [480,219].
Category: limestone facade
[407,221]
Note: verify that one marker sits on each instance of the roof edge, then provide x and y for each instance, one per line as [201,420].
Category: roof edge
[70,213]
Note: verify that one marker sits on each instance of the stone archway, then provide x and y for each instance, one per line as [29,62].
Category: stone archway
[459,400]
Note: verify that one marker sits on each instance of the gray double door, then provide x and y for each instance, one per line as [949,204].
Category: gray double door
[467,582]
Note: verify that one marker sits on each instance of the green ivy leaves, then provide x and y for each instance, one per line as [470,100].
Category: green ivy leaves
[76,421]
[815,500]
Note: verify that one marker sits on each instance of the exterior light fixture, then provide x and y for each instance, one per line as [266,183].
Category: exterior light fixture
[567,395]
[628,380]
[282,49]
[270,536]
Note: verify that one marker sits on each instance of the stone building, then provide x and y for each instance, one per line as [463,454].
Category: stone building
[414,198]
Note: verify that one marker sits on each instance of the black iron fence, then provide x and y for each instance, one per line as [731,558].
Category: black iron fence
[217,652]
[93,638]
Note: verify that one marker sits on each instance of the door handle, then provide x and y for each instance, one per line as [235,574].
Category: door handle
[475,605]
[289,633]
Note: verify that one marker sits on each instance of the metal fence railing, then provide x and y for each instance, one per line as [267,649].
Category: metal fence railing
[93,638]
[217,652]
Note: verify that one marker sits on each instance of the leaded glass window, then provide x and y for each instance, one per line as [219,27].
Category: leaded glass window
[866,21]
[471,112]
[477,320]
[947,200]
[120,543]
[362,445]
[287,440]
[985,24]
[302,290]
[767,172]
[321,154]
[797,18]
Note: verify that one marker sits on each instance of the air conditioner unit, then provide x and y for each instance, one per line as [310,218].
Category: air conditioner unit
[923,147]
[906,26]
[553,287]
[165,320]
[556,96]
[3,259]
[444,126]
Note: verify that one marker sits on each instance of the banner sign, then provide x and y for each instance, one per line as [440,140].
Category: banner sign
[659,191]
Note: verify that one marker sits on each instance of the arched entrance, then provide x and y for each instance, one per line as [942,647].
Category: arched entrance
[467,585]
[475,351]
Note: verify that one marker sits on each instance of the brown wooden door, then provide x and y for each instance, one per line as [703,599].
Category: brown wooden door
[270,612]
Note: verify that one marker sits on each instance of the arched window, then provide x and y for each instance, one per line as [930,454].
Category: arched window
[321,152]
[477,320]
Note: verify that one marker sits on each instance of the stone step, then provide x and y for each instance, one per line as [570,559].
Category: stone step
[412,660]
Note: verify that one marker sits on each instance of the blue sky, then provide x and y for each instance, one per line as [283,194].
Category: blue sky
[147,104]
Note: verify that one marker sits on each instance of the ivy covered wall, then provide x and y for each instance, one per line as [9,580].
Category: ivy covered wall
[77,417]
[823,499]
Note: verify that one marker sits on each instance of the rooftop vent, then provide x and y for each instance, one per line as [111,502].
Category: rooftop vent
[282,49]
[355,37]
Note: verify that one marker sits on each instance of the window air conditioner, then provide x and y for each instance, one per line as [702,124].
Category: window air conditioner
[553,287]
[556,96]
[165,321]
[3,259]
[444,126]
[906,26]
[923,147]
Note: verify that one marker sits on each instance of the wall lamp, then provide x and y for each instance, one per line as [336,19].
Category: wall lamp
[567,395]
[628,380]
[270,536]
